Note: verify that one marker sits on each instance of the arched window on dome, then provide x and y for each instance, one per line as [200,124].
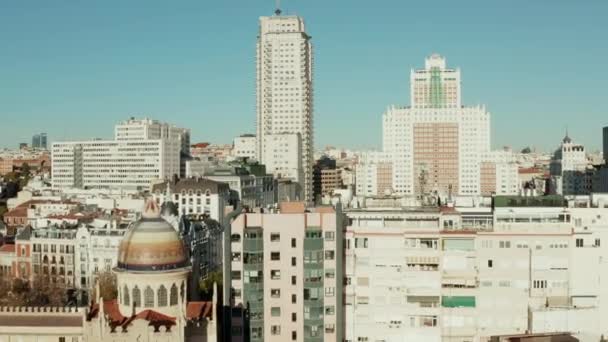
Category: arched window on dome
[148,297]
[173,299]
[126,300]
[136,297]
[182,291]
[162,295]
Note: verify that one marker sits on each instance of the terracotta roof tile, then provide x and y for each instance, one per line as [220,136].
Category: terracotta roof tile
[197,310]
[7,248]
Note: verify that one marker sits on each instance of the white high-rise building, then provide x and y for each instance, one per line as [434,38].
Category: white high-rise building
[568,166]
[142,129]
[284,156]
[373,174]
[245,146]
[284,88]
[435,86]
[436,145]
[143,151]
[110,164]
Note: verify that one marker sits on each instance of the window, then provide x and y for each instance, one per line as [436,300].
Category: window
[579,242]
[235,238]
[275,274]
[256,332]
[173,295]
[597,243]
[275,311]
[275,256]
[293,243]
[294,317]
[136,297]
[125,296]
[236,256]
[330,310]
[293,298]
[235,275]
[330,273]
[293,280]
[162,296]
[294,335]
[361,242]
[293,261]
[329,255]
[330,291]
[275,330]
[490,263]
[275,237]
[330,236]
[504,244]
[275,293]
[148,297]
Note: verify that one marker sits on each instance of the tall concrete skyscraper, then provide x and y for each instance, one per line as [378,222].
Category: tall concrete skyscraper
[285,98]
[436,144]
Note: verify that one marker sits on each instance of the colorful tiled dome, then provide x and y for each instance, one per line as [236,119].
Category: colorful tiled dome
[151,244]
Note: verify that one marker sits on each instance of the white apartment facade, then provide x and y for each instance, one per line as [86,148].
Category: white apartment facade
[499,173]
[568,168]
[114,164]
[245,146]
[436,144]
[537,266]
[286,266]
[148,129]
[194,196]
[96,251]
[283,153]
[285,89]
[373,174]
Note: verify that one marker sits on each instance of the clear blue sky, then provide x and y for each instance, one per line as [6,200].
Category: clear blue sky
[74,68]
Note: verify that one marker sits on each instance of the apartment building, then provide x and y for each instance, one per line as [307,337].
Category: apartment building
[254,188]
[142,151]
[286,273]
[326,177]
[245,146]
[373,174]
[527,264]
[568,169]
[194,196]
[392,270]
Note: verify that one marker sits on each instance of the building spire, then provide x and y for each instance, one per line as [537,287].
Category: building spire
[277,11]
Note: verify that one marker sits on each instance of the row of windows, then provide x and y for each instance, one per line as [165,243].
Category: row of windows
[162,297]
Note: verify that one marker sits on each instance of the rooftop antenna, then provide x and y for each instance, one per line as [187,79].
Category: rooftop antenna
[278,7]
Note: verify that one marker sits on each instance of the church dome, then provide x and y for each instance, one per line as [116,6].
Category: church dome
[151,244]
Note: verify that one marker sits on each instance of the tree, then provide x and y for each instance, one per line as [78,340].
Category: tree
[107,286]
[39,292]
[45,291]
[206,285]
[25,169]
[526,150]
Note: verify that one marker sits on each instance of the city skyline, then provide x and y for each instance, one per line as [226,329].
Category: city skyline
[113,67]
